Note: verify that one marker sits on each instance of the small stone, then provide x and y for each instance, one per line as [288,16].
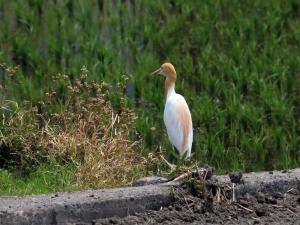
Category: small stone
[248,197]
[186,218]
[197,209]
[244,203]
[113,221]
[189,201]
[178,208]
[260,198]
[260,212]
[270,200]
[278,195]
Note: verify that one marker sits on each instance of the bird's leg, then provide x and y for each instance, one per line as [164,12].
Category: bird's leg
[172,166]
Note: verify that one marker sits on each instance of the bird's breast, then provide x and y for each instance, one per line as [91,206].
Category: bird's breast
[178,121]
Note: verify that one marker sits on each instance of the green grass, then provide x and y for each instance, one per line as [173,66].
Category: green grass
[238,65]
[47,178]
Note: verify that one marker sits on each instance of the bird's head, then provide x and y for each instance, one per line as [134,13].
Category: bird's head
[167,70]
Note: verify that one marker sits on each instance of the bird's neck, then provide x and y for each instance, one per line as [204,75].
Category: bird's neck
[169,87]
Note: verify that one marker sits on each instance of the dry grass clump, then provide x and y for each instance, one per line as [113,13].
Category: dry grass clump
[96,139]
[77,122]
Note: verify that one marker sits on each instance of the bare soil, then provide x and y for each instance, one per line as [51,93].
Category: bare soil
[260,198]
[192,208]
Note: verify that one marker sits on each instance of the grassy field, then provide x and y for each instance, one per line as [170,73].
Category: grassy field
[238,65]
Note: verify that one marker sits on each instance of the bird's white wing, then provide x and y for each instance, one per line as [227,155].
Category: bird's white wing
[178,122]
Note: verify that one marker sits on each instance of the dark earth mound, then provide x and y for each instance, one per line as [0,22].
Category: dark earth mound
[279,208]
[201,200]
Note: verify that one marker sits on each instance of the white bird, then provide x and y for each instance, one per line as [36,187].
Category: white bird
[177,116]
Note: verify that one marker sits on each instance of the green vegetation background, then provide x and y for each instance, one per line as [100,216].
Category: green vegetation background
[238,65]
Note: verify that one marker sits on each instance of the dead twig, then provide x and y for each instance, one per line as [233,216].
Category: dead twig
[187,204]
[278,206]
[182,176]
[243,207]
[224,194]
[288,191]
[218,194]
[255,218]
[233,192]
[284,207]
[292,212]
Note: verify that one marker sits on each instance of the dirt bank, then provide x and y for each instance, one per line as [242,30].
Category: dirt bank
[261,208]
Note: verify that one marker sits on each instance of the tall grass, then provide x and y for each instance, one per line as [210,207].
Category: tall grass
[238,65]
[84,131]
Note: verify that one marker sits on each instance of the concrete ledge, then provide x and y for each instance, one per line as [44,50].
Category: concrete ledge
[267,182]
[62,208]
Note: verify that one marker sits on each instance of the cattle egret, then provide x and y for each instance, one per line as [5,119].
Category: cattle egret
[177,116]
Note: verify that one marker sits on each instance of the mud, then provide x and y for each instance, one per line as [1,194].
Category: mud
[259,208]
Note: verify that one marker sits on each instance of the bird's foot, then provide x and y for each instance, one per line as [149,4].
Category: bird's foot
[172,166]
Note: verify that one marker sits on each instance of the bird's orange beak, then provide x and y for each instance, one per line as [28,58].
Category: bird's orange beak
[156,71]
